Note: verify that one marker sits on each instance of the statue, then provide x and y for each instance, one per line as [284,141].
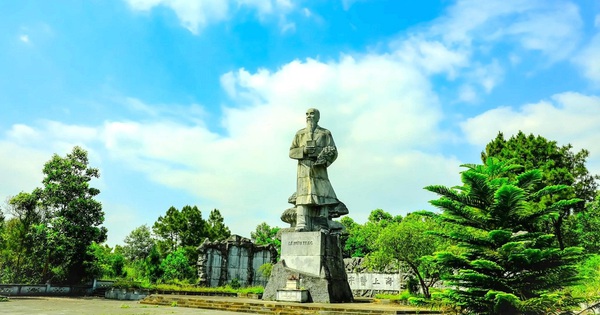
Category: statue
[315,200]
[311,248]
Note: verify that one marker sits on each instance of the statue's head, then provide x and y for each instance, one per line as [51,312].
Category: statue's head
[313,114]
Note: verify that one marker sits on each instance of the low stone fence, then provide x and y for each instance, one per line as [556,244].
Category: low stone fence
[54,290]
[126,294]
[44,290]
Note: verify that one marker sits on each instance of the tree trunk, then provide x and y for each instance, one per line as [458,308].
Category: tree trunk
[424,286]
[558,232]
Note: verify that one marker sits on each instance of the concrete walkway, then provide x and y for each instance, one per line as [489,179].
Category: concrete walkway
[253,306]
[93,306]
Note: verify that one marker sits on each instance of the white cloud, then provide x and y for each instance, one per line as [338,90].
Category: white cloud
[553,28]
[487,76]
[463,44]
[380,110]
[432,56]
[567,118]
[588,61]
[20,168]
[196,15]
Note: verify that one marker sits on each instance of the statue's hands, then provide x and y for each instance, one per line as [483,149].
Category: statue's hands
[309,150]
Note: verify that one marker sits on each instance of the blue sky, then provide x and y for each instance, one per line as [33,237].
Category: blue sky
[196,102]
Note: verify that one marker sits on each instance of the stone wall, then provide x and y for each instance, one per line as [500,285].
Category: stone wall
[366,282]
[235,258]
[53,290]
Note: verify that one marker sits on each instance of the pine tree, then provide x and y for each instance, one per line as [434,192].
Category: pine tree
[508,267]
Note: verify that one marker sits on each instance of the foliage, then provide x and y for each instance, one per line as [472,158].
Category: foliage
[235,283]
[407,241]
[559,166]
[106,263]
[187,228]
[138,243]
[129,284]
[177,266]
[48,236]
[217,230]
[76,217]
[403,296]
[190,288]
[587,226]
[152,265]
[361,238]
[266,270]
[17,260]
[266,235]
[509,267]
[589,289]
[168,229]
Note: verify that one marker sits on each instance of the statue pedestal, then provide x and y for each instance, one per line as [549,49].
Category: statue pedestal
[315,258]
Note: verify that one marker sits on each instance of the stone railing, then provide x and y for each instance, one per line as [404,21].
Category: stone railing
[53,290]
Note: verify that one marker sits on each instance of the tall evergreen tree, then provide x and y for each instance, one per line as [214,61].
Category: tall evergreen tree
[217,230]
[559,166]
[508,267]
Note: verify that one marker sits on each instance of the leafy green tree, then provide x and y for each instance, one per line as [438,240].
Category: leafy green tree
[408,242]
[151,265]
[266,235]
[361,237]
[509,267]
[106,264]
[217,230]
[138,243]
[176,267]
[588,224]
[20,246]
[76,217]
[187,228]
[559,166]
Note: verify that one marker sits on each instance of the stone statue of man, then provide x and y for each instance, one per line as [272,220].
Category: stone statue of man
[315,150]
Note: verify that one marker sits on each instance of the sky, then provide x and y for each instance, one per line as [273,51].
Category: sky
[182,102]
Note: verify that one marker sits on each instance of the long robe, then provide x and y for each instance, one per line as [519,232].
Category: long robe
[313,186]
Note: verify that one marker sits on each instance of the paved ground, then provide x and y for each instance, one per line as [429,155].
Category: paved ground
[92,306]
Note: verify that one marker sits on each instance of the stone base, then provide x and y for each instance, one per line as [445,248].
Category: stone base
[316,259]
[288,295]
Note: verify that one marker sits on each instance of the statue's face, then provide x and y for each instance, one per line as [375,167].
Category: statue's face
[313,115]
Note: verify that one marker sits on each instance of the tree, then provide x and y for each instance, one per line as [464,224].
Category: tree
[588,224]
[194,229]
[559,166]
[151,265]
[217,230]
[266,235]
[106,264]
[138,243]
[187,228]
[176,267]
[76,217]
[361,238]
[20,246]
[168,230]
[408,242]
[509,267]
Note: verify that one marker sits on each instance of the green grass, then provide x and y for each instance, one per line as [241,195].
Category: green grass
[191,288]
